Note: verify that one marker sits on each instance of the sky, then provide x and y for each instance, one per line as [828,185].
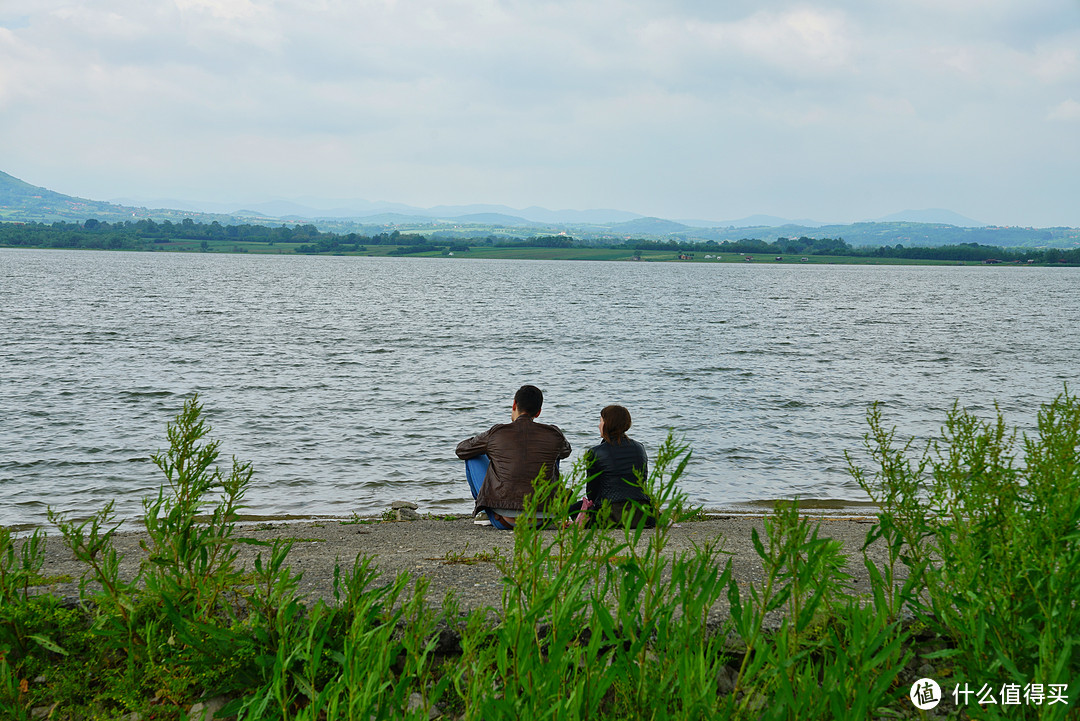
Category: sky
[832,110]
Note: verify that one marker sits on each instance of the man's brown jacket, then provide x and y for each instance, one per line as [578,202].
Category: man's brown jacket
[519,451]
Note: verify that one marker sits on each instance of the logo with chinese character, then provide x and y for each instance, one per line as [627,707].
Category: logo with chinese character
[1010,694]
[925,694]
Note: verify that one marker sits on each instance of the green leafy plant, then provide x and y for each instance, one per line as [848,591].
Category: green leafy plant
[596,622]
[463,557]
[824,633]
[191,543]
[991,542]
[694,514]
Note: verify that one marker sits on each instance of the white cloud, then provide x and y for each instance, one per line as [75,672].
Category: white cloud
[1058,64]
[18,63]
[225,9]
[798,42]
[1068,111]
[105,24]
[433,101]
[7,77]
[794,38]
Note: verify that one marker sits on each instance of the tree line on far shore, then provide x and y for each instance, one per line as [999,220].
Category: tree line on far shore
[970,252]
[307,239]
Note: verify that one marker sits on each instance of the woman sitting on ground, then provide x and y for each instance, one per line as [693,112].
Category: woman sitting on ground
[617,469]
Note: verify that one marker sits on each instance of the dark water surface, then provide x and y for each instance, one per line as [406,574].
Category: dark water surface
[348,381]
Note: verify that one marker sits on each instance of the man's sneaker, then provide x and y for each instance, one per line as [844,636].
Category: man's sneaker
[481,519]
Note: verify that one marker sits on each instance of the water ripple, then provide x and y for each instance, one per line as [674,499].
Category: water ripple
[348,381]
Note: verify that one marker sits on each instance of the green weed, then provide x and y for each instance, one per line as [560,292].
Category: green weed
[594,622]
[991,542]
[463,557]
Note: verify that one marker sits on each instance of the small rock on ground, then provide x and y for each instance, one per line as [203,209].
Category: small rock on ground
[205,710]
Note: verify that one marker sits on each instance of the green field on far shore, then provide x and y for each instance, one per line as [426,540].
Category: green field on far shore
[530,253]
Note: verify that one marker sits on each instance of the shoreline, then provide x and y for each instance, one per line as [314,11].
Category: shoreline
[832,509]
[456,555]
[601,254]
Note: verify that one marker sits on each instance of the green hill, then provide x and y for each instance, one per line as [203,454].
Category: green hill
[648,226]
[20,201]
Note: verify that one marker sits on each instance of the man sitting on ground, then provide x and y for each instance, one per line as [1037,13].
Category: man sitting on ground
[518,451]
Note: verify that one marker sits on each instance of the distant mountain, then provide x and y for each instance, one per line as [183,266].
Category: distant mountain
[389,219]
[932,215]
[509,221]
[769,221]
[908,234]
[648,226]
[534,214]
[21,201]
[600,216]
[351,209]
[352,206]
[313,208]
[13,190]
[307,208]
[473,210]
[285,209]
[192,206]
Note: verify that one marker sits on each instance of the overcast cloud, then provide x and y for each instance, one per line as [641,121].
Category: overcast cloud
[828,109]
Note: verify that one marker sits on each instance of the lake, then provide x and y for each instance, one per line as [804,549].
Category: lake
[348,381]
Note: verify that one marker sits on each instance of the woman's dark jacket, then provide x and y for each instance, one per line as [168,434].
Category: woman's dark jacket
[614,466]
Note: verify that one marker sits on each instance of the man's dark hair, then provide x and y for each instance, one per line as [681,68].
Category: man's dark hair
[528,400]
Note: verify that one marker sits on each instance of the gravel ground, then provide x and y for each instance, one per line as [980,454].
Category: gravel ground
[428,547]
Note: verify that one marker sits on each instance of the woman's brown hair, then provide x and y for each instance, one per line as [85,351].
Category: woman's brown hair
[616,423]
